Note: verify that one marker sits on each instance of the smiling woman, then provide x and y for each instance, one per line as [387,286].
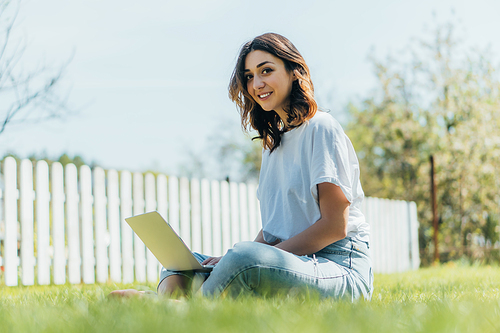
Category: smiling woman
[314,237]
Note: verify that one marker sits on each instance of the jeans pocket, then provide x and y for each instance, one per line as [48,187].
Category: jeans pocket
[339,252]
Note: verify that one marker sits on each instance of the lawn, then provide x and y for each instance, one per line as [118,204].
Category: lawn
[448,298]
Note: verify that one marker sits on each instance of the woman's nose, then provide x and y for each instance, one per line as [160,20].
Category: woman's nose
[258,83]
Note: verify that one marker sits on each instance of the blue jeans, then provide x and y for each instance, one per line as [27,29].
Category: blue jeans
[340,270]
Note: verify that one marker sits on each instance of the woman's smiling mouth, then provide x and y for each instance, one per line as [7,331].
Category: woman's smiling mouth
[264,96]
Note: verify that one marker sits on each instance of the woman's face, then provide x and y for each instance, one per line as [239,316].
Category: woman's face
[268,81]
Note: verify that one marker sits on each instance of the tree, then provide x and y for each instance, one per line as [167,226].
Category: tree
[439,99]
[30,96]
[245,153]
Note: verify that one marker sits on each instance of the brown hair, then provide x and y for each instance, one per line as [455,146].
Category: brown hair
[302,104]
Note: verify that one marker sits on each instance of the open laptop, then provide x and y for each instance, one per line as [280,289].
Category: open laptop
[164,243]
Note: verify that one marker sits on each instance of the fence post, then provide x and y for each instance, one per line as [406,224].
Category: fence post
[10,209]
[413,220]
[139,247]
[392,232]
[384,227]
[150,193]
[206,218]
[88,259]
[161,196]
[114,227]
[216,218]
[400,236]
[162,202]
[225,216]
[173,204]
[73,225]
[58,239]
[127,233]
[235,213]
[101,249]
[26,203]
[185,222]
[42,220]
[405,233]
[196,236]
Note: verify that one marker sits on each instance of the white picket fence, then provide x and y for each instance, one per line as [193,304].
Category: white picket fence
[81,234]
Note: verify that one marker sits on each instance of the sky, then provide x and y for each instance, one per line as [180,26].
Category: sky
[148,79]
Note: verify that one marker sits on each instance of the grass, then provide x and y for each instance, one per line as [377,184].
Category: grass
[438,299]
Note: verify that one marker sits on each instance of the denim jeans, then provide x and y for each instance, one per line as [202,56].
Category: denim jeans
[340,270]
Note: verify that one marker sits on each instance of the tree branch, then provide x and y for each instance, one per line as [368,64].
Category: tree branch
[26,94]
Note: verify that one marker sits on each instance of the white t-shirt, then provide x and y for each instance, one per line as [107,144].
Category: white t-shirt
[316,152]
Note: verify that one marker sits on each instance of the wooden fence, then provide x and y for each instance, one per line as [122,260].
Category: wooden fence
[59,226]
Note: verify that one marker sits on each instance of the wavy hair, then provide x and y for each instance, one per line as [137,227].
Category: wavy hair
[302,104]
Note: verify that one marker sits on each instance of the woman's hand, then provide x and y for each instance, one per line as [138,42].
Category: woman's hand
[260,239]
[211,261]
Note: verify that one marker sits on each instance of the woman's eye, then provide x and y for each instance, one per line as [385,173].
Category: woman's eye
[267,70]
[248,77]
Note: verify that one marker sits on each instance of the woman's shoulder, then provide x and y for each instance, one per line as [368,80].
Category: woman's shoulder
[323,121]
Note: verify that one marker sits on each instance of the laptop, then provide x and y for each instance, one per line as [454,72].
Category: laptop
[164,243]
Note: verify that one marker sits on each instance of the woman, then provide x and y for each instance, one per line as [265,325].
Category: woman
[314,236]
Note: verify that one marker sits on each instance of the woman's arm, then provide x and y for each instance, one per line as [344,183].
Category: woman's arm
[260,238]
[331,227]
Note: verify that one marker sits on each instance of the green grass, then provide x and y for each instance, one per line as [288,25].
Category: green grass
[438,299]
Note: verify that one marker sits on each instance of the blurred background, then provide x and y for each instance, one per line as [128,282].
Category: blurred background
[142,86]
